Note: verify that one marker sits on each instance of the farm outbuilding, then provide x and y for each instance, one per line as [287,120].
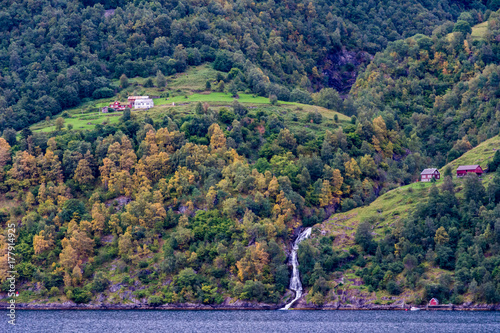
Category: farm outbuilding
[465,169]
[433,302]
[428,174]
[118,106]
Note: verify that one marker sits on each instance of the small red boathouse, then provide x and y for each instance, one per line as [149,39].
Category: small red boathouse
[433,301]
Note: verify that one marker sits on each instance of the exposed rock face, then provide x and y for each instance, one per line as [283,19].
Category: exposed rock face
[228,304]
[341,68]
[345,300]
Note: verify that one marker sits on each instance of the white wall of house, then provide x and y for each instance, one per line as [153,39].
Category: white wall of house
[143,103]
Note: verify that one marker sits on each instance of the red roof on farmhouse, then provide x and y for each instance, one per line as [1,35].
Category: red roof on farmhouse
[467,167]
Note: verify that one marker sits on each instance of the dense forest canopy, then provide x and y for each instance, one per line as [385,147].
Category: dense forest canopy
[442,90]
[201,203]
[54,54]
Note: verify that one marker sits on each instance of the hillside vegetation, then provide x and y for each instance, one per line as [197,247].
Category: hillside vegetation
[55,55]
[387,253]
[181,93]
[269,117]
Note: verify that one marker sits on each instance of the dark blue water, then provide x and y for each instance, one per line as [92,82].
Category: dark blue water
[252,321]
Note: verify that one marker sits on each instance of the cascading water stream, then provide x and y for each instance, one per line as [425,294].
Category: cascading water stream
[295,283]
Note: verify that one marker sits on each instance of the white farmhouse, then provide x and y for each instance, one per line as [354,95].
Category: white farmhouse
[143,103]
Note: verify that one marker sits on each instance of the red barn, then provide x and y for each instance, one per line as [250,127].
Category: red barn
[434,301]
[119,106]
[428,174]
[465,169]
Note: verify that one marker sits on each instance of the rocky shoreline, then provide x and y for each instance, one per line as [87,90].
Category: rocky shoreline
[241,305]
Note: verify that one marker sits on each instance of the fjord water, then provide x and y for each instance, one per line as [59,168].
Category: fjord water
[295,283]
[252,321]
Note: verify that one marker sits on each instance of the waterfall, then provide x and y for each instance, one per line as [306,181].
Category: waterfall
[295,284]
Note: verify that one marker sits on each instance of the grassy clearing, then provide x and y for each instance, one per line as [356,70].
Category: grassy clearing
[394,205]
[215,97]
[481,154]
[194,78]
[186,89]
[79,122]
[479,30]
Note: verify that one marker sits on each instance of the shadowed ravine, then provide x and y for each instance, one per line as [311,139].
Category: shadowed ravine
[295,283]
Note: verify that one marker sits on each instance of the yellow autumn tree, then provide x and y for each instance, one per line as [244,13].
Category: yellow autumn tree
[253,263]
[326,196]
[82,243]
[125,245]
[441,236]
[98,217]
[106,170]
[283,207]
[83,173]
[352,169]
[42,242]
[68,256]
[217,138]
[25,167]
[211,197]
[4,156]
[272,188]
[77,275]
[50,167]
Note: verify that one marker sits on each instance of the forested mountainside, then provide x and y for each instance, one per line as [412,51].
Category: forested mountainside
[417,242]
[54,54]
[442,90]
[199,202]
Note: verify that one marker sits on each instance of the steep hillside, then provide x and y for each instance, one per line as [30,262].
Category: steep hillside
[56,55]
[197,200]
[414,242]
[442,92]
[399,203]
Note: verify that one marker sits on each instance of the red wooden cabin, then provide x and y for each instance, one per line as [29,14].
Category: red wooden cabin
[428,174]
[117,106]
[465,169]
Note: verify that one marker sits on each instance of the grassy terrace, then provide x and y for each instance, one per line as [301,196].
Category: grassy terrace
[79,121]
[216,97]
[396,204]
[479,30]
[185,90]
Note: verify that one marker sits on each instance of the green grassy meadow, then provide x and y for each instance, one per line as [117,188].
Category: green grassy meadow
[182,92]
[396,204]
[85,121]
[479,30]
[481,154]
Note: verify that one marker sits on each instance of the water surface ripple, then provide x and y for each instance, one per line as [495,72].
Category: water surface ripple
[252,321]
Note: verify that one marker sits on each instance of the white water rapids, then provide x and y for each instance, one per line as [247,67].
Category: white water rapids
[295,283]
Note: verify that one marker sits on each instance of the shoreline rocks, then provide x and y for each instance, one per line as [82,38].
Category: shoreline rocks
[243,305]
